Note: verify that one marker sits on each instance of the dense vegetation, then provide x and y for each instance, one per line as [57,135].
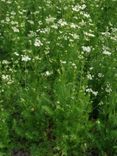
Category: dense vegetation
[58,77]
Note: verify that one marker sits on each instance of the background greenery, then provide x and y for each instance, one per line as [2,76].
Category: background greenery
[58,80]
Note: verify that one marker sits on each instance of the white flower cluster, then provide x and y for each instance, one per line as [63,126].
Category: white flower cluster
[5,62]
[89,90]
[7,79]
[25,58]
[15,29]
[108,88]
[62,22]
[48,73]
[89,76]
[86,49]
[100,75]
[106,51]
[77,7]
[50,19]
[37,43]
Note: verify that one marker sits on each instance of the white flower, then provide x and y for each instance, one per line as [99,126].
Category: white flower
[94,93]
[48,73]
[108,88]
[31,22]
[98,122]
[76,8]
[89,90]
[25,58]
[50,19]
[82,23]
[100,75]
[86,49]
[105,52]
[83,6]
[15,29]
[7,19]
[15,53]
[63,62]
[32,34]
[86,15]
[74,65]
[89,76]
[91,68]
[14,22]
[13,13]
[75,36]
[72,25]
[89,34]
[5,62]
[101,103]
[62,22]
[9,2]
[5,77]
[37,43]
[54,26]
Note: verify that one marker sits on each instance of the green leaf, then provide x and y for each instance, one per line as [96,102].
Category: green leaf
[47,109]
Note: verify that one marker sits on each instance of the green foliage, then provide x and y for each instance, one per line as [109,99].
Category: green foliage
[58,78]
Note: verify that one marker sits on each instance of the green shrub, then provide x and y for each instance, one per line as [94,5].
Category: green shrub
[58,77]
